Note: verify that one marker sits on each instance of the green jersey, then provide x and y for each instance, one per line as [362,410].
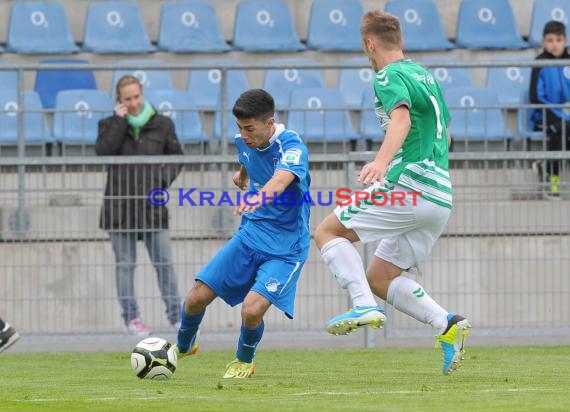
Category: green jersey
[421,164]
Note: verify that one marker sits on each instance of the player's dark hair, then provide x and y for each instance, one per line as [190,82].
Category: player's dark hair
[254,104]
[554,27]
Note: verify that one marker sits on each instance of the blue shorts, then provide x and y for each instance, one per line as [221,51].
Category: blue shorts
[236,269]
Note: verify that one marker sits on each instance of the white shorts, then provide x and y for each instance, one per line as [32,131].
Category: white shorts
[407,225]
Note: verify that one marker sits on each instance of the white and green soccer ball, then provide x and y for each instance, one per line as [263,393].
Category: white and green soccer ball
[154,358]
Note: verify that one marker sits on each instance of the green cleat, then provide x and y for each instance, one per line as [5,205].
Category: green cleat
[239,370]
[452,341]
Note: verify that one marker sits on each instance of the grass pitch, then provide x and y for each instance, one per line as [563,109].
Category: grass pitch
[492,379]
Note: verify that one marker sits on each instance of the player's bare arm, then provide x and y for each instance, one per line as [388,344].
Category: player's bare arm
[273,188]
[396,133]
[241,179]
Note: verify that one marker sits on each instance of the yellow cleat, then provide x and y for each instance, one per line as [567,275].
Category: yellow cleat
[452,343]
[239,370]
[193,351]
[554,189]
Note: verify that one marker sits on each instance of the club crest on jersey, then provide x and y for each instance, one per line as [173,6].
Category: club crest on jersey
[272,284]
[291,157]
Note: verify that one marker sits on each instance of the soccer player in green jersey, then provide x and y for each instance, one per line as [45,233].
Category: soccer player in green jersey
[411,170]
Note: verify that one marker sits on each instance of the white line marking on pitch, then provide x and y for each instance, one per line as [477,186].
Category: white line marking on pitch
[407,392]
[309,393]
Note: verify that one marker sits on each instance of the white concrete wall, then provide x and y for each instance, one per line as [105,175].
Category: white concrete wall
[495,261]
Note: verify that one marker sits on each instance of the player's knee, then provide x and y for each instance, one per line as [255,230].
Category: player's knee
[325,232]
[195,302]
[251,314]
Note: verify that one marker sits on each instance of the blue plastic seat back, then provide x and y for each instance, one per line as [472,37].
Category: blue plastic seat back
[471,121]
[9,79]
[334,25]
[370,127]
[78,113]
[190,26]
[525,121]
[231,125]
[50,82]
[205,85]
[180,107]
[265,26]
[487,24]
[35,126]
[449,77]
[320,114]
[281,82]
[115,27]
[544,11]
[510,83]
[151,79]
[353,83]
[421,25]
[39,27]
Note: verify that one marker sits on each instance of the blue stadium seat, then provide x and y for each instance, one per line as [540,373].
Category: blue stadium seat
[334,25]
[180,107]
[35,127]
[8,78]
[487,24]
[448,77]
[115,27]
[354,82]
[525,124]
[510,83]
[158,79]
[39,28]
[205,84]
[320,114]
[78,113]
[230,122]
[421,25]
[542,12]
[50,82]
[370,127]
[262,26]
[471,122]
[280,82]
[190,26]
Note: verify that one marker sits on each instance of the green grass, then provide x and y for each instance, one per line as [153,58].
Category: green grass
[492,379]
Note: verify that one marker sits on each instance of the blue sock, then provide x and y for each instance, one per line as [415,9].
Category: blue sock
[248,340]
[188,329]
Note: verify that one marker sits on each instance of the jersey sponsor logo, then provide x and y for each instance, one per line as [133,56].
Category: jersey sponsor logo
[246,155]
[423,78]
[291,157]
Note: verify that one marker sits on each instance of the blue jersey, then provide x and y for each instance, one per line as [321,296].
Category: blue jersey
[281,227]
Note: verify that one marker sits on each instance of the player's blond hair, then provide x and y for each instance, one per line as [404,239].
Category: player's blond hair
[385,27]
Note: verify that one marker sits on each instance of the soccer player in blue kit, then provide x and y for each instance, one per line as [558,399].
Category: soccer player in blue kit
[260,265]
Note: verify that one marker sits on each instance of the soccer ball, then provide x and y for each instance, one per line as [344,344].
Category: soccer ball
[154,358]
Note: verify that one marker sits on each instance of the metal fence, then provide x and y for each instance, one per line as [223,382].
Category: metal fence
[502,260]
